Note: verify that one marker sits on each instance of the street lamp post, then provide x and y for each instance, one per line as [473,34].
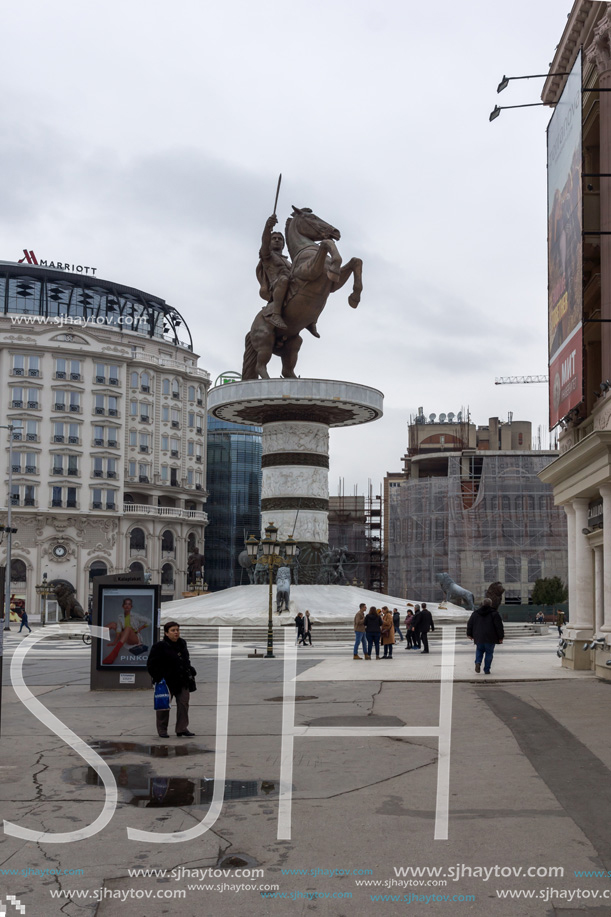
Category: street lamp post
[44,589]
[271,557]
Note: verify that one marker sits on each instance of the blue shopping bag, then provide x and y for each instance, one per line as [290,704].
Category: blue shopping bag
[162,696]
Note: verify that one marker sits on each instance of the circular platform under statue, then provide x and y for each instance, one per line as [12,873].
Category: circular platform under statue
[296,415]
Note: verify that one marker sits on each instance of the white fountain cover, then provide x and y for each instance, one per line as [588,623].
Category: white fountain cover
[242,605]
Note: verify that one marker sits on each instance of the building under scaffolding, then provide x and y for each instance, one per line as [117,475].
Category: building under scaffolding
[469,503]
[355,523]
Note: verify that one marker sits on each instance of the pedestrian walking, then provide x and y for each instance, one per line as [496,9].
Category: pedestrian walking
[373,630]
[422,624]
[388,633]
[409,633]
[307,629]
[24,621]
[360,637]
[169,660]
[559,622]
[300,628]
[396,622]
[415,633]
[485,628]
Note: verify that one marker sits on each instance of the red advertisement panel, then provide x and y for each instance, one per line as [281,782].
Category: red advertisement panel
[566,378]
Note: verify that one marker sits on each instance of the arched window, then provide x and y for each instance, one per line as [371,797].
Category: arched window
[165,387]
[191,543]
[98,568]
[137,540]
[167,575]
[134,380]
[18,571]
[175,388]
[191,393]
[136,568]
[128,498]
[145,382]
[167,541]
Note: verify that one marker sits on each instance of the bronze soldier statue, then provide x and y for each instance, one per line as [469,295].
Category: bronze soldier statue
[274,276]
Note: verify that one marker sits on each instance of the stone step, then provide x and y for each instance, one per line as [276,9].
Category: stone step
[327,633]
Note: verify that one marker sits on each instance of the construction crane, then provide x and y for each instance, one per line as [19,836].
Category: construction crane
[519,380]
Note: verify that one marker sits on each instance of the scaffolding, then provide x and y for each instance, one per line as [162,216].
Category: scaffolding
[488,518]
[356,523]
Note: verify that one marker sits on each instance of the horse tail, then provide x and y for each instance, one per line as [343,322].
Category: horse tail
[249,364]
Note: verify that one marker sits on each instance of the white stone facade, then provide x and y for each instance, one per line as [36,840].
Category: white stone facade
[110,430]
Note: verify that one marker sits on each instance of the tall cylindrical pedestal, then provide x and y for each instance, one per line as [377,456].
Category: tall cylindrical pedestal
[296,415]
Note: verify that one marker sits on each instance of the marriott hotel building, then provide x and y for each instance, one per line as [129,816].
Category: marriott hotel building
[108,408]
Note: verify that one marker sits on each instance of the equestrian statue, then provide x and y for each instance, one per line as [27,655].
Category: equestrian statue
[295,291]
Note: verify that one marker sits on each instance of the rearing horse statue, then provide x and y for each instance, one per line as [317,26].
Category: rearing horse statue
[316,271]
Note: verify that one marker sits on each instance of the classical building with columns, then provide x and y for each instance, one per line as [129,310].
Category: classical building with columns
[107,468]
[580,352]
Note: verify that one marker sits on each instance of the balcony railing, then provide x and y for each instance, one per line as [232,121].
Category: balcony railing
[143,509]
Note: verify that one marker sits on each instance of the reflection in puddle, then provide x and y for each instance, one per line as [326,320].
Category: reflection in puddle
[109,749]
[151,791]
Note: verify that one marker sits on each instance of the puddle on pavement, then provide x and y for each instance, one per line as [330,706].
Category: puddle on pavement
[147,790]
[299,697]
[108,749]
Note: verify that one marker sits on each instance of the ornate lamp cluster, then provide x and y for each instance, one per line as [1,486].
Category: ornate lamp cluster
[269,554]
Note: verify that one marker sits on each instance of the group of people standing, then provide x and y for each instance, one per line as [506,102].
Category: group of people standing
[380,626]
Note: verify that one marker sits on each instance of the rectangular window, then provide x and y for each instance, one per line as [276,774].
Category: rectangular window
[73,464]
[133,438]
[131,469]
[56,496]
[71,496]
[165,440]
[165,412]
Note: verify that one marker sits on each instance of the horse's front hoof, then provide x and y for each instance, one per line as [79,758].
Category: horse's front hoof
[353,301]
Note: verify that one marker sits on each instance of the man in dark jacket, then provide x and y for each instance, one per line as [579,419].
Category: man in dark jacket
[422,623]
[169,659]
[485,628]
[396,622]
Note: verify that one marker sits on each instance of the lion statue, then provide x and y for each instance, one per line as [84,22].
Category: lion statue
[455,593]
[70,606]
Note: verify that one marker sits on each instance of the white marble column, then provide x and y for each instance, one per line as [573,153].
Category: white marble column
[598,589]
[605,492]
[582,616]
[295,480]
[570,527]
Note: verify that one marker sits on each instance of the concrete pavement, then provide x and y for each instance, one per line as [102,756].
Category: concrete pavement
[529,770]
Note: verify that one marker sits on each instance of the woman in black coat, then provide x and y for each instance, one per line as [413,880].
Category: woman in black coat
[373,629]
[169,659]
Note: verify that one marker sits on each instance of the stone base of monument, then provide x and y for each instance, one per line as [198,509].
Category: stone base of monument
[296,415]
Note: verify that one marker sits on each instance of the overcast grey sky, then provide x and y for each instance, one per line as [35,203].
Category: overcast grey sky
[146,139]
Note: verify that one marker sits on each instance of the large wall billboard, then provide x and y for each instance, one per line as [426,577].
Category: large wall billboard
[565,287]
